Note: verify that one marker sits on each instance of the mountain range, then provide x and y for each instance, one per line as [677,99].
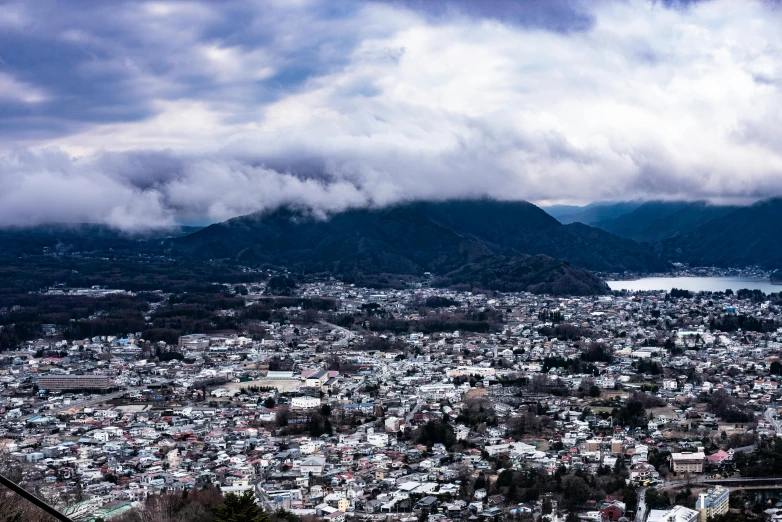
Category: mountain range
[483,243]
[656,221]
[702,234]
[747,236]
[438,237]
[592,213]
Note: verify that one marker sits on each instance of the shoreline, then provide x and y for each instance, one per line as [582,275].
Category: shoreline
[754,274]
[695,284]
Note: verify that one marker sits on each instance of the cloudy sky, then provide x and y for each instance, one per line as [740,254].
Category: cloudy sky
[144,114]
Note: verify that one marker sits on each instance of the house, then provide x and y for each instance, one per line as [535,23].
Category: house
[372,506]
[343,505]
[313,465]
[496,500]
[337,516]
[379,440]
[612,511]
[426,504]
[719,457]
[641,472]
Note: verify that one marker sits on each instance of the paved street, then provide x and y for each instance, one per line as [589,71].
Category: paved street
[412,412]
[640,514]
[776,422]
[347,335]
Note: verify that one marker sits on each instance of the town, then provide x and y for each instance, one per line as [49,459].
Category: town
[338,402]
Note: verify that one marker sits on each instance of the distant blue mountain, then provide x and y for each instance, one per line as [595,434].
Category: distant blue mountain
[743,237]
[592,213]
[656,221]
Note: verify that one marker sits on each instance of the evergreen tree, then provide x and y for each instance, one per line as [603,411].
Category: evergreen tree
[237,508]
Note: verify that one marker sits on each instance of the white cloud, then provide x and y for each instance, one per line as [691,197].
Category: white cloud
[14,90]
[49,187]
[647,102]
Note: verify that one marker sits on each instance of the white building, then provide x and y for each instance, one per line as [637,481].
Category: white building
[304,403]
[314,465]
[470,370]
[675,514]
[379,440]
[713,502]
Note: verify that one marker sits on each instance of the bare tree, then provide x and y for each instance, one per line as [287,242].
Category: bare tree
[14,508]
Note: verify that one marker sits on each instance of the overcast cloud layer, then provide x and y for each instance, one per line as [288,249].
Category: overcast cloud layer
[146,114]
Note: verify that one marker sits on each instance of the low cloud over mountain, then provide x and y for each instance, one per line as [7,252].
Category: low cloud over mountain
[146,114]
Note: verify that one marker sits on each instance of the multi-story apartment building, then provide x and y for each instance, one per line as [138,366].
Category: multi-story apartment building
[74,382]
[712,503]
[687,462]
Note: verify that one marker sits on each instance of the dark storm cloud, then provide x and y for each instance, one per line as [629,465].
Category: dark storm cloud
[102,62]
[553,15]
[680,4]
[142,114]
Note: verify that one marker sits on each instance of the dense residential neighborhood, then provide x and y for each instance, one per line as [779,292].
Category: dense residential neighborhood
[390,261]
[635,406]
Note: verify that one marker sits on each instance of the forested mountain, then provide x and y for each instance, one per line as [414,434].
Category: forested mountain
[412,238]
[498,245]
[495,244]
[537,274]
[702,234]
[656,221]
[747,236]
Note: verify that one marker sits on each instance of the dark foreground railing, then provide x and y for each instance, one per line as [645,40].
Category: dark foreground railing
[19,490]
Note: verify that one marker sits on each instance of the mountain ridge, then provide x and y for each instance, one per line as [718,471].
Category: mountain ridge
[656,221]
[455,240]
[748,236]
[593,213]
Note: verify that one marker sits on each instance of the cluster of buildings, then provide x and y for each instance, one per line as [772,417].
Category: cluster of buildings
[315,419]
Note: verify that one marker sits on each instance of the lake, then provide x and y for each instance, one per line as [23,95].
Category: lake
[695,284]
